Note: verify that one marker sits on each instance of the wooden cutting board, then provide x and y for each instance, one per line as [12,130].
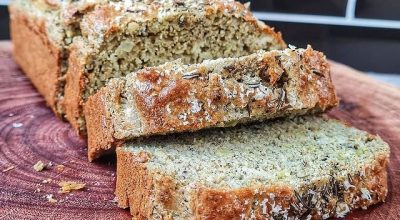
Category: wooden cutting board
[29,133]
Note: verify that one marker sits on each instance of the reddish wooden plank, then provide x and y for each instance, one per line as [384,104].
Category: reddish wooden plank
[366,104]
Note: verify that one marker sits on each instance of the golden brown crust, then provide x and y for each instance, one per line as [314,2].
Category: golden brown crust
[258,202]
[75,83]
[128,168]
[236,204]
[99,129]
[37,55]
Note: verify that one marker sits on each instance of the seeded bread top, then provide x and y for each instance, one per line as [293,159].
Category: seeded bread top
[291,152]
[131,16]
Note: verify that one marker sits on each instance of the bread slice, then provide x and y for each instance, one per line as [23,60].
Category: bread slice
[121,37]
[301,168]
[216,93]
[41,32]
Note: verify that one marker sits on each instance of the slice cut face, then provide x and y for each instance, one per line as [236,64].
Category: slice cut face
[122,37]
[175,97]
[303,167]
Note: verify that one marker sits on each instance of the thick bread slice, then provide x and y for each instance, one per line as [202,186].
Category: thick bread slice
[301,168]
[217,93]
[41,32]
[121,37]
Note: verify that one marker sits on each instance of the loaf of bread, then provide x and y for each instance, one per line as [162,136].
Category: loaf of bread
[216,93]
[121,37]
[38,45]
[42,31]
[302,168]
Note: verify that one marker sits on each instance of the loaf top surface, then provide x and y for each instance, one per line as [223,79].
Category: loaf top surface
[290,152]
[132,16]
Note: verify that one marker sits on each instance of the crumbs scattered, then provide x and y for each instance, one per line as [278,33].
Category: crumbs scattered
[68,186]
[114,200]
[39,166]
[47,181]
[8,168]
[17,125]
[50,198]
[60,168]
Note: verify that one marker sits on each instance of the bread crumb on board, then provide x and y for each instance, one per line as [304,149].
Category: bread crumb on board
[50,198]
[39,166]
[68,186]
[47,180]
[17,125]
[8,169]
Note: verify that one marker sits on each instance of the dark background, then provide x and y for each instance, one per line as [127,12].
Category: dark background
[367,49]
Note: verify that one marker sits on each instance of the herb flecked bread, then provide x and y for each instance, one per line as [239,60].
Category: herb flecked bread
[216,93]
[301,168]
[41,31]
[121,37]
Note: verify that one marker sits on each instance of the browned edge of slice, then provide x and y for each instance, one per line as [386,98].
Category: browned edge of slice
[99,120]
[38,57]
[72,102]
[128,168]
[137,189]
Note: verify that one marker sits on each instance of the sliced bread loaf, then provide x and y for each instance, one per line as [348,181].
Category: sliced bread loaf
[217,93]
[302,168]
[121,37]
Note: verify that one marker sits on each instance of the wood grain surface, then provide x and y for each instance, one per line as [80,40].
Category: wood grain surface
[29,132]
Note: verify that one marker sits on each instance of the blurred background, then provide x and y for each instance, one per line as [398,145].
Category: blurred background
[364,34]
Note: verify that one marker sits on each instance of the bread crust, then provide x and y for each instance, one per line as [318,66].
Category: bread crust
[102,18]
[258,202]
[38,56]
[101,127]
[157,110]
[72,101]
[141,208]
